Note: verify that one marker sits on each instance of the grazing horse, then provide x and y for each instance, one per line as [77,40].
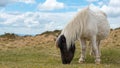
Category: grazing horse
[87,25]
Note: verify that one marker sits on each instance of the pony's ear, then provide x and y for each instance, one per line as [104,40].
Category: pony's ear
[62,38]
[62,41]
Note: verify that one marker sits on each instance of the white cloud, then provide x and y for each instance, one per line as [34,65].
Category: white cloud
[92,0]
[100,3]
[38,22]
[94,8]
[115,3]
[51,5]
[20,19]
[50,26]
[112,9]
[27,1]
[30,20]
[33,22]
[6,2]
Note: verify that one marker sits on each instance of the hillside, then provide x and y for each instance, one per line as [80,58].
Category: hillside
[113,39]
[50,36]
[12,40]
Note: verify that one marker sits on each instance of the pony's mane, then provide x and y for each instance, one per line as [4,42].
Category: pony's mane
[74,27]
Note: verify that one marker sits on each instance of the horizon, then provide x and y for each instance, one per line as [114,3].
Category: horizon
[31,17]
[44,32]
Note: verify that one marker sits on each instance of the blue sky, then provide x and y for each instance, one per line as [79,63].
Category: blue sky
[37,16]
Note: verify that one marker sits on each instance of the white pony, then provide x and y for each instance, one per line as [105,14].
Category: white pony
[87,25]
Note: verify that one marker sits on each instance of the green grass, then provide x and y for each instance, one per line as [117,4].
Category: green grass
[48,56]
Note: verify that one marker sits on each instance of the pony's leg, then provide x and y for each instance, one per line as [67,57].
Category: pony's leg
[91,49]
[95,48]
[98,45]
[92,52]
[83,50]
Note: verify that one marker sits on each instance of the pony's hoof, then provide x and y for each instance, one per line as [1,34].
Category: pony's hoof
[97,62]
[81,62]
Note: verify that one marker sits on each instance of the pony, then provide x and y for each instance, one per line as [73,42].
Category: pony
[87,25]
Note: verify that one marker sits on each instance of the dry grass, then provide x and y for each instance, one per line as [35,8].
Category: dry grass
[40,52]
[48,56]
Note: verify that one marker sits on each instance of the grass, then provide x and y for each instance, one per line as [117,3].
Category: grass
[48,56]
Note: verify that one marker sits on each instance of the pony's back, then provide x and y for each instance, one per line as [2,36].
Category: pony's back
[102,26]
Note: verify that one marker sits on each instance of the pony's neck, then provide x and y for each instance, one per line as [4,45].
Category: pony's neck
[73,30]
[72,33]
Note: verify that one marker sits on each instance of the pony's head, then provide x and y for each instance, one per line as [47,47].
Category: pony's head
[67,54]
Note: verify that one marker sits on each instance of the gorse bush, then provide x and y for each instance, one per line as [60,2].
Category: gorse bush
[55,33]
[9,35]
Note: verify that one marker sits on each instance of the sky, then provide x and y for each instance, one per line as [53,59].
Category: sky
[37,16]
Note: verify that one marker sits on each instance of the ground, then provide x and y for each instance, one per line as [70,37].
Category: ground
[44,54]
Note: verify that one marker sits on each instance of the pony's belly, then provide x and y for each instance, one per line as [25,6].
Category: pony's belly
[86,36]
[103,34]
[103,30]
